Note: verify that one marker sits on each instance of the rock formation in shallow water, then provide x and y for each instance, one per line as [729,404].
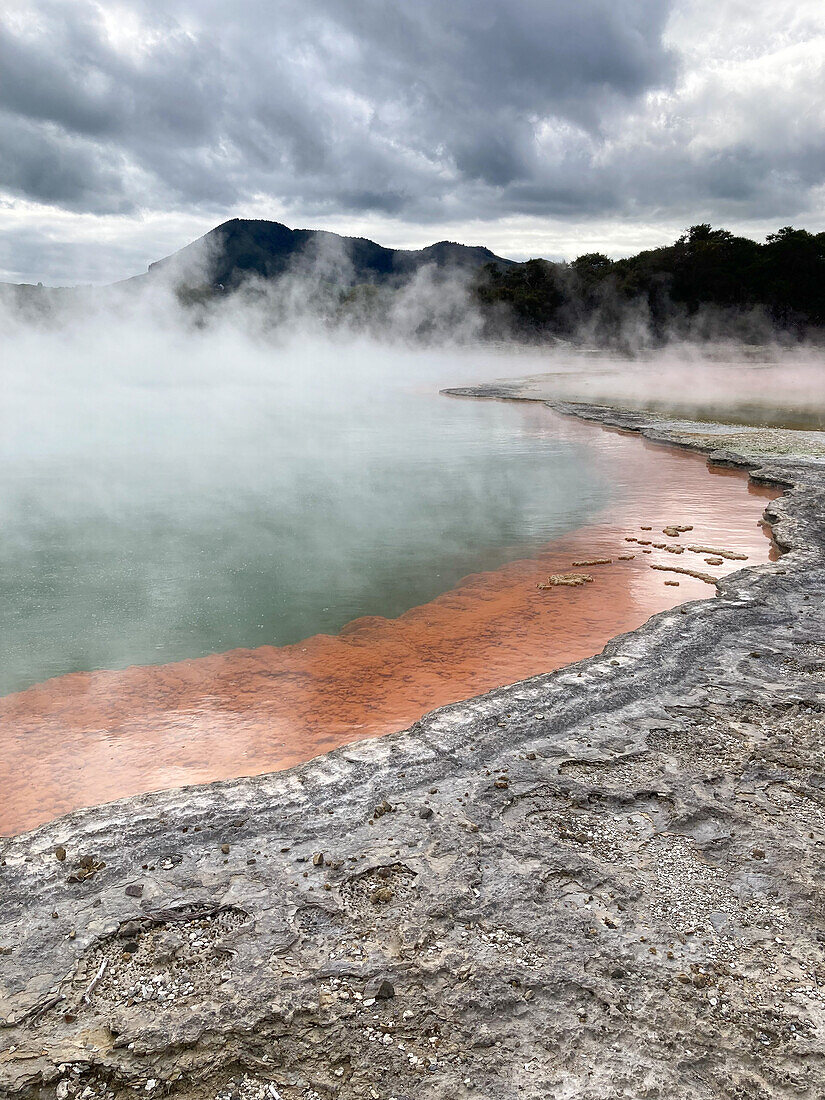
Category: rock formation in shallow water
[604,882]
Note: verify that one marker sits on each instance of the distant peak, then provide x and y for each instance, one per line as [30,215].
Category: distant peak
[235,223]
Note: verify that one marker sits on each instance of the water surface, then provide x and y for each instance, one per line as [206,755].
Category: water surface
[147,520]
[578,490]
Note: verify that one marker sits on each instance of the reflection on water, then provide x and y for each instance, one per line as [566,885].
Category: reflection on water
[765,388]
[93,736]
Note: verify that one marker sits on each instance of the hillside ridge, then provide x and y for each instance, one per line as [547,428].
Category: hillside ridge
[244,247]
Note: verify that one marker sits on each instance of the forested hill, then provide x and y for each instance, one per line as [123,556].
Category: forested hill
[706,285]
[707,273]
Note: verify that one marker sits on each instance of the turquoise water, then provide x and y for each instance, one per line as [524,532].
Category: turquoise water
[154,509]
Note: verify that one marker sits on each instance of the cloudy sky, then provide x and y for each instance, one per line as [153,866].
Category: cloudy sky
[538,127]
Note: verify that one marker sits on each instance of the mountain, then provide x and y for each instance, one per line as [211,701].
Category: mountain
[241,248]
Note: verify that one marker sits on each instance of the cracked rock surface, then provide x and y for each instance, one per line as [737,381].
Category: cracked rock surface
[603,882]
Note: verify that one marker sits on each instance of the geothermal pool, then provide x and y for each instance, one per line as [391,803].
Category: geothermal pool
[259,588]
[150,522]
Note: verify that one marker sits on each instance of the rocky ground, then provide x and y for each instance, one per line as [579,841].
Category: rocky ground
[605,882]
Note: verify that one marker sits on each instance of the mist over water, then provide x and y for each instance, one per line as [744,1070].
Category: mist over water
[177,482]
[169,493]
[754,386]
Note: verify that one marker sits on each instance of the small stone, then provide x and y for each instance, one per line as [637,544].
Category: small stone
[318,859]
[225,849]
[758,853]
[134,890]
[426,813]
[501,784]
[60,853]
[381,895]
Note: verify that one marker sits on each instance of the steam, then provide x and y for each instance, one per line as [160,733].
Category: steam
[176,480]
[767,386]
[181,473]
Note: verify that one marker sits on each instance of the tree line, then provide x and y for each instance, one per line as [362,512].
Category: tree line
[709,282]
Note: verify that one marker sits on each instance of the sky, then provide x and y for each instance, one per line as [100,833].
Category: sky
[536,127]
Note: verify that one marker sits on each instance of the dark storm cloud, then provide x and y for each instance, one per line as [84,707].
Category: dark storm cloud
[424,112]
[370,104]
[56,168]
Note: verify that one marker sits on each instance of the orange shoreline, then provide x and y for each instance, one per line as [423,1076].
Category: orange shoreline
[90,737]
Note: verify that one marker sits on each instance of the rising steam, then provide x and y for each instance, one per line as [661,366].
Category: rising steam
[179,473]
